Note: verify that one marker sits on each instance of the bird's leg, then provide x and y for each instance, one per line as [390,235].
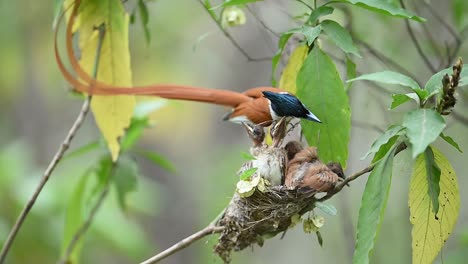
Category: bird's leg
[255,132]
[278,131]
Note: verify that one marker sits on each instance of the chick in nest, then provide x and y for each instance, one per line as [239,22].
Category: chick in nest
[306,171]
[270,161]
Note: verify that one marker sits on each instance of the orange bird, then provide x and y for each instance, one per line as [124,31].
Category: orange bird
[257,106]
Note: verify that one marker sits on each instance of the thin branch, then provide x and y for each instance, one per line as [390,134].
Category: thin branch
[365,125]
[45,177]
[416,43]
[385,59]
[264,25]
[230,37]
[356,175]
[79,234]
[209,230]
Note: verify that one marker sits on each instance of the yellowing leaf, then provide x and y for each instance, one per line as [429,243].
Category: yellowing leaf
[431,231]
[289,75]
[112,113]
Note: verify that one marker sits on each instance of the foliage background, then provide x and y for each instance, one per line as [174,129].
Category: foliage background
[36,110]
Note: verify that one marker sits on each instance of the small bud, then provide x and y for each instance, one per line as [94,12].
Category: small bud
[233,16]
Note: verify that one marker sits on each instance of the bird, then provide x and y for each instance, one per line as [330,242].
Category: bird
[270,161]
[256,106]
[306,172]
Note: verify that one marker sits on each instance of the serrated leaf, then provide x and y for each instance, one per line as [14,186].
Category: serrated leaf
[373,204]
[451,141]
[275,60]
[383,139]
[350,71]
[125,180]
[423,126]
[289,76]
[326,208]
[399,99]
[247,174]
[385,8]
[389,77]
[430,231]
[144,16]
[320,88]
[319,12]
[340,36]
[112,113]
[158,160]
[310,33]
[433,178]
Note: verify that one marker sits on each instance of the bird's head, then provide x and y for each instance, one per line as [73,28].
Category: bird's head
[286,104]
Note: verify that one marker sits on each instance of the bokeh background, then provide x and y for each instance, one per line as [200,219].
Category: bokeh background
[37,109]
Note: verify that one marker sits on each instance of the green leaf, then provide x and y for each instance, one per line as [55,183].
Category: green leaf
[430,231]
[373,204]
[433,178]
[310,33]
[247,156]
[340,36]
[434,84]
[460,8]
[247,174]
[399,99]
[391,131]
[57,12]
[451,141]
[235,2]
[423,126]
[319,12]
[350,71]
[125,180]
[385,8]
[275,60]
[326,208]
[144,19]
[134,132]
[385,148]
[74,218]
[158,160]
[389,77]
[320,88]
[83,150]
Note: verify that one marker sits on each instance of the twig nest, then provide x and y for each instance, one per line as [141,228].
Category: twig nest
[260,209]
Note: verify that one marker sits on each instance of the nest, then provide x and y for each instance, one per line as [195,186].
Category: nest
[250,220]
[261,211]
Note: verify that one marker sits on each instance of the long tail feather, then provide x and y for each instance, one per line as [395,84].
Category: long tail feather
[86,84]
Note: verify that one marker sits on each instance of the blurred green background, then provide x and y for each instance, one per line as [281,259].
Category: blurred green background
[36,111]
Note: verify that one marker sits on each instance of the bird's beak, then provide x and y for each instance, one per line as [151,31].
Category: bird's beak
[312,117]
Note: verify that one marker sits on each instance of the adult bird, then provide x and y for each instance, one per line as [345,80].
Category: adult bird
[256,106]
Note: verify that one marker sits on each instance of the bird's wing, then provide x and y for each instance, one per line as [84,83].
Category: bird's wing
[256,111]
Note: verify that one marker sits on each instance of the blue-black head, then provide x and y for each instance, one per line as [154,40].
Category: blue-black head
[285,104]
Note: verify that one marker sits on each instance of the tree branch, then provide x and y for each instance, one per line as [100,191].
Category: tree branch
[209,230]
[87,223]
[45,177]
[416,43]
[230,37]
[57,157]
